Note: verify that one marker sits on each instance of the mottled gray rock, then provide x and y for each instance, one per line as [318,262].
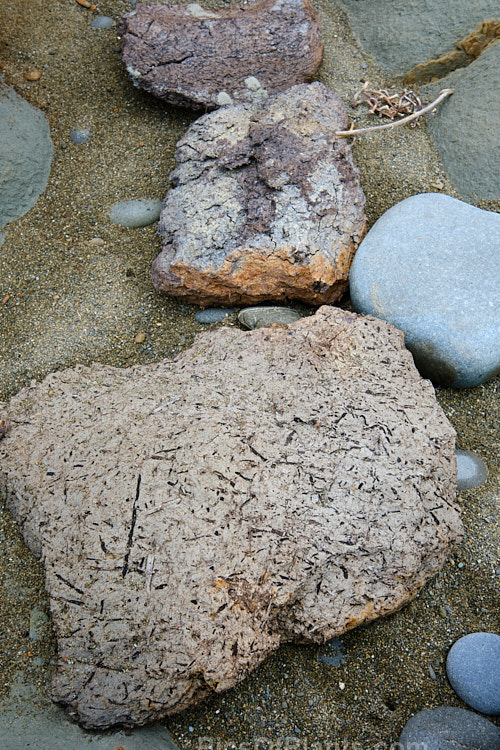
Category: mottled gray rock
[283,484]
[198,58]
[212,315]
[471,470]
[466,127]
[449,728]
[266,205]
[473,669]
[135,213]
[259,317]
[430,267]
[402,33]
[25,155]
[29,720]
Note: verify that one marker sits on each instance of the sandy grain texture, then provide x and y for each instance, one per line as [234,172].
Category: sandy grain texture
[73,302]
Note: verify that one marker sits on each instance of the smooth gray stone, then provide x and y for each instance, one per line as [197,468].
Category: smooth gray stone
[259,317]
[430,267]
[402,33]
[135,213]
[30,721]
[471,470]
[473,669]
[26,152]
[212,314]
[80,135]
[449,728]
[466,127]
[102,22]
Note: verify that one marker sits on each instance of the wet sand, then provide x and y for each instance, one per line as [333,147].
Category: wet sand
[74,302]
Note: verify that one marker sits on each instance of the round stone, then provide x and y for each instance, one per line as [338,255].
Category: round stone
[473,669]
[135,213]
[80,135]
[451,728]
[259,317]
[212,314]
[430,267]
[102,22]
[471,470]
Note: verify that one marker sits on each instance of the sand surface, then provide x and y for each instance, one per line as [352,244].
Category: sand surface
[73,302]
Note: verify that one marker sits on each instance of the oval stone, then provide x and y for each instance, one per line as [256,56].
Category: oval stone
[451,728]
[80,135]
[471,470]
[260,317]
[102,22]
[135,213]
[473,669]
[430,267]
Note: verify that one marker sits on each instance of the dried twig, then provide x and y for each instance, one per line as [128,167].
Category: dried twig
[388,105]
[418,113]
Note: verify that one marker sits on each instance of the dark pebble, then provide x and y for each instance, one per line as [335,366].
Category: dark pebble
[212,314]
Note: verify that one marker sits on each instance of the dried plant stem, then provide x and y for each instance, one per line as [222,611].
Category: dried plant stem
[428,108]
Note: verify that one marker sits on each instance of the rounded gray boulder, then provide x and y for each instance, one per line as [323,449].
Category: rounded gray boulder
[430,267]
[25,155]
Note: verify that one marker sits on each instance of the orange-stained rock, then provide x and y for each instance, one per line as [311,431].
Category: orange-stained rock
[266,204]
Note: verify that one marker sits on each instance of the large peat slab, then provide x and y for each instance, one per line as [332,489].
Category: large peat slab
[282,484]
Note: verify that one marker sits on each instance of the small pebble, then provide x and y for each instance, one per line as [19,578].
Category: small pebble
[451,728]
[432,673]
[80,135]
[33,75]
[102,22]
[140,337]
[135,213]
[473,669]
[471,470]
[260,317]
[212,314]
[96,242]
